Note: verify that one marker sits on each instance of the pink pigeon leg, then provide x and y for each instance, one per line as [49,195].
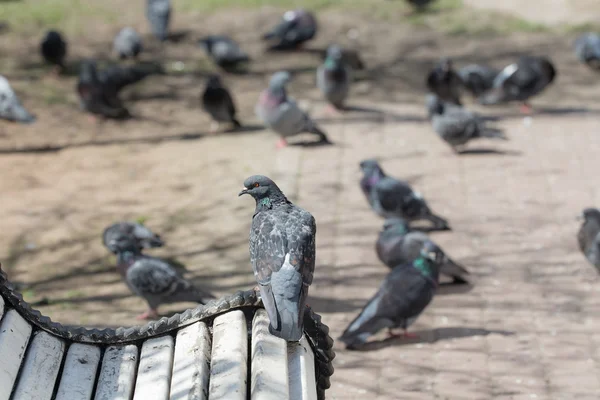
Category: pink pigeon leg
[526,108]
[150,314]
[281,143]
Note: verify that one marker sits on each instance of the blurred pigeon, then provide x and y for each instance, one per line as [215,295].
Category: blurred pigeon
[390,197]
[54,50]
[282,114]
[10,105]
[217,101]
[520,81]
[350,58]
[419,5]
[158,13]
[282,252]
[99,91]
[153,279]
[296,27]
[128,43]
[457,125]
[397,244]
[477,79]
[589,236]
[334,77]
[401,298]
[445,82]
[223,50]
[144,237]
[587,49]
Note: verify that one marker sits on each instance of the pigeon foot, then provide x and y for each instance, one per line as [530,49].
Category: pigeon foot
[526,108]
[405,334]
[281,143]
[150,314]
[214,127]
[330,109]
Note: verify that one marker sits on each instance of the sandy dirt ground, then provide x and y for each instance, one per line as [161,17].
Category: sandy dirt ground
[527,328]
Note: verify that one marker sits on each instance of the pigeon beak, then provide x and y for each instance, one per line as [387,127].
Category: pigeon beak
[244,191]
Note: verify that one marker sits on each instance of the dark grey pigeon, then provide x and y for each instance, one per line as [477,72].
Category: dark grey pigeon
[282,253]
[397,244]
[405,292]
[281,113]
[520,81]
[390,197]
[11,108]
[334,77]
[587,49]
[224,51]
[296,27]
[153,279]
[158,13]
[127,43]
[144,237]
[217,102]
[477,79]
[456,125]
[589,236]
[445,82]
[54,50]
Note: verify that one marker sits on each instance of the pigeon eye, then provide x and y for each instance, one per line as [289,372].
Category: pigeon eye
[256,184]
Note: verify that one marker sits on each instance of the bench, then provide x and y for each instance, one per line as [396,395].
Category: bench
[222,350]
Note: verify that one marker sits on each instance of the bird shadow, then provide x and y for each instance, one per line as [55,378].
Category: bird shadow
[178,36]
[488,151]
[319,143]
[428,336]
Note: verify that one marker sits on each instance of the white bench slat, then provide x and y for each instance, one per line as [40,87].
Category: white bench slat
[40,368]
[79,372]
[229,368]
[301,366]
[191,363]
[154,372]
[269,362]
[117,374]
[14,335]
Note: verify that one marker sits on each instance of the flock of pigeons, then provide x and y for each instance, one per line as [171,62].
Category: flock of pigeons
[282,236]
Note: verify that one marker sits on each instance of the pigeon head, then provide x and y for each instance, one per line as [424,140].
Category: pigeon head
[214,81]
[334,52]
[395,223]
[88,71]
[280,79]
[263,190]
[370,167]
[122,244]
[590,214]
[53,36]
[292,15]
[207,43]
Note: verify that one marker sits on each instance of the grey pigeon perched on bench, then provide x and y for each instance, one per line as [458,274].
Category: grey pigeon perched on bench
[282,253]
[224,51]
[477,79]
[153,279]
[158,13]
[443,81]
[281,113]
[405,292]
[588,236]
[144,237]
[217,101]
[11,108]
[397,245]
[391,197]
[334,77]
[587,49]
[521,81]
[297,26]
[54,49]
[127,43]
[456,125]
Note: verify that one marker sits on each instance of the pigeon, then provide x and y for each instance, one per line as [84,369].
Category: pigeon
[153,279]
[445,82]
[144,237]
[158,13]
[405,292]
[589,236]
[127,44]
[224,51]
[10,105]
[282,253]
[477,79]
[99,91]
[54,50]
[282,114]
[520,81]
[217,101]
[390,197]
[587,49]
[397,244]
[296,27]
[419,5]
[334,77]
[350,58]
[456,125]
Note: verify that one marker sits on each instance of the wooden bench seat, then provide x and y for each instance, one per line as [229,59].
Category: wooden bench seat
[219,351]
